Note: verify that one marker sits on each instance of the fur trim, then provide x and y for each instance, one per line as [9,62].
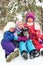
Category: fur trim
[8,26]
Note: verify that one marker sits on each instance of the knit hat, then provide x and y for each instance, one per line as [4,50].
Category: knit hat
[9,25]
[17,25]
[30,14]
[18,22]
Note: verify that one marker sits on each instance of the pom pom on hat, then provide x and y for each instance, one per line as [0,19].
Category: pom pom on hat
[9,25]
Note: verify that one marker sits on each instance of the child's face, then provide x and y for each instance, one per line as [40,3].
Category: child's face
[20,25]
[11,30]
[30,19]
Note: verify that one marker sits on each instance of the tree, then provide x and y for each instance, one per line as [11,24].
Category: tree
[9,9]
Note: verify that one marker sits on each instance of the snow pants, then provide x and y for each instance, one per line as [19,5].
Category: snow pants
[26,46]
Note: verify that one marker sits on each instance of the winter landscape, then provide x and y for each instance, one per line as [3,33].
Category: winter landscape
[11,9]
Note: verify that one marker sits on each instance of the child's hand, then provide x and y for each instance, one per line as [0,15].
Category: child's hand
[15,34]
[27,35]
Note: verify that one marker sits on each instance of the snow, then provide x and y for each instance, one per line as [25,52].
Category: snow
[18,16]
[39,3]
[19,60]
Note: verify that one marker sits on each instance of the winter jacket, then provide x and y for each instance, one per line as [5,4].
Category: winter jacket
[32,31]
[34,35]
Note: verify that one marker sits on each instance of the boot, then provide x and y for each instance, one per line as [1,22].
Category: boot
[31,55]
[24,55]
[41,51]
[34,54]
[12,55]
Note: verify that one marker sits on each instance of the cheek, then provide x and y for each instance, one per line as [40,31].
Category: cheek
[28,20]
[12,30]
[20,26]
[31,20]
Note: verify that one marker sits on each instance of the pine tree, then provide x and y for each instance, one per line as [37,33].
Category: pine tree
[9,9]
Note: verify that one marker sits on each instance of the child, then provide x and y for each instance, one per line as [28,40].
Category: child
[10,50]
[25,45]
[34,33]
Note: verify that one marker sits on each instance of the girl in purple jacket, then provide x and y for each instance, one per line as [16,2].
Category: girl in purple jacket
[25,45]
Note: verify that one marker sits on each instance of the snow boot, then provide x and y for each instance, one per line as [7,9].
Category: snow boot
[24,55]
[12,55]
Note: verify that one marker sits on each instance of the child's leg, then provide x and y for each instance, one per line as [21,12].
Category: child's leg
[23,50]
[30,45]
[31,49]
[22,47]
[9,49]
[37,45]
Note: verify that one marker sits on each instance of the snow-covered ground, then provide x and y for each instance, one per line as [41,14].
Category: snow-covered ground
[19,60]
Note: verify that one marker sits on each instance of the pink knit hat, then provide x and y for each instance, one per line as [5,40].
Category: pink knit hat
[18,22]
[30,14]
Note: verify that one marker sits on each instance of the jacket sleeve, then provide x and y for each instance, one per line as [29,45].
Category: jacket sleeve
[19,38]
[23,38]
[8,36]
[41,37]
[32,31]
[38,34]
[37,29]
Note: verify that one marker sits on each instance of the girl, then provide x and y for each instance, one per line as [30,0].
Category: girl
[25,45]
[10,50]
[34,33]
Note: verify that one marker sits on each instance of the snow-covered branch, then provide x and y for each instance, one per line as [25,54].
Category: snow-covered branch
[38,3]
